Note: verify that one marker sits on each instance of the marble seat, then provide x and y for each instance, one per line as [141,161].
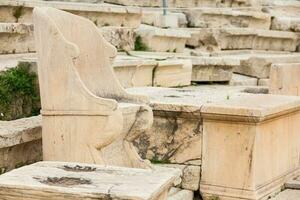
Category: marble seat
[87,115]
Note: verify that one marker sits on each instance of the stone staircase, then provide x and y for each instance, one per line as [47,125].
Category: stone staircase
[215,49]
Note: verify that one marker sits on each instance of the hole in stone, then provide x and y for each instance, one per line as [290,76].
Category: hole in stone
[64,181]
[256,90]
[79,168]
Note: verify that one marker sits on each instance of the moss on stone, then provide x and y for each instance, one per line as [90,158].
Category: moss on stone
[18,12]
[19,94]
[139,45]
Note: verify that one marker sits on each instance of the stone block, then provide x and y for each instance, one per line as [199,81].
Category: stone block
[122,38]
[157,19]
[190,175]
[172,138]
[281,23]
[20,143]
[284,79]
[135,72]
[172,73]
[66,181]
[101,14]
[178,194]
[176,134]
[260,65]
[287,195]
[241,38]
[238,80]
[189,3]
[264,82]
[213,69]
[163,40]
[16,38]
[293,183]
[244,135]
[228,17]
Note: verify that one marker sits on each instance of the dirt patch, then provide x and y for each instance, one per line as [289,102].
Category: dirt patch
[64,181]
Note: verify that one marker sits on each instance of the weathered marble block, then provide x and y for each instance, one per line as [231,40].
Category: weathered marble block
[122,38]
[239,80]
[163,40]
[157,19]
[173,73]
[259,65]
[135,73]
[285,15]
[16,38]
[243,139]
[190,179]
[189,3]
[284,79]
[176,134]
[287,195]
[178,194]
[66,181]
[20,143]
[241,38]
[227,17]
[100,14]
[213,69]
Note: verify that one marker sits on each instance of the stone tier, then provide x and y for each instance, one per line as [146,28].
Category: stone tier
[100,14]
[227,17]
[163,40]
[241,38]
[18,37]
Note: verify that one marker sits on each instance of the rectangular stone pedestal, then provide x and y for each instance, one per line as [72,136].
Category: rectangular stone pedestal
[251,146]
[70,181]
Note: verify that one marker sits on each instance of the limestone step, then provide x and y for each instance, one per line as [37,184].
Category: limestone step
[11,60]
[86,181]
[131,71]
[205,68]
[259,64]
[100,14]
[242,80]
[20,143]
[228,17]
[213,69]
[162,40]
[241,38]
[155,17]
[287,195]
[285,15]
[18,37]
[189,3]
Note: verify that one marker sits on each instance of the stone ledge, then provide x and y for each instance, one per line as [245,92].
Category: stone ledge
[93,181]
[249,107]
[20,131]
[90,7]
[100,14]
[241,38]
[228,17]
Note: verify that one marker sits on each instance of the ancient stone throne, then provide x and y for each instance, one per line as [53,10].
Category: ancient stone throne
[87,115]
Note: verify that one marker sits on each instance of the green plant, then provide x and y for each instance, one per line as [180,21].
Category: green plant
[19,94]
[139,45]
[18,12]
[214,198]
